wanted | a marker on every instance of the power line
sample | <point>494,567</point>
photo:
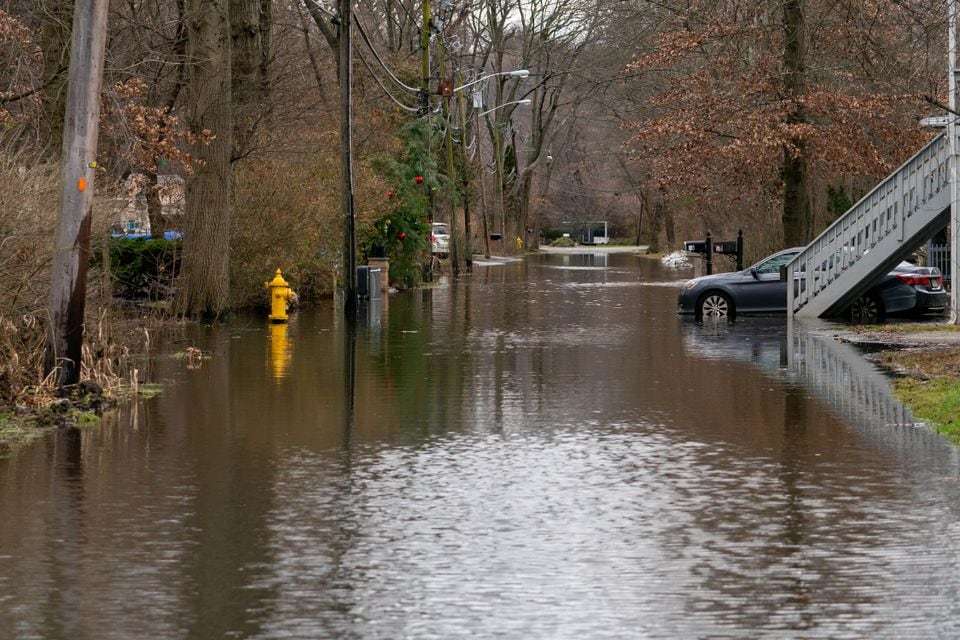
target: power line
<point>400,104</point>
<point>376,55</point>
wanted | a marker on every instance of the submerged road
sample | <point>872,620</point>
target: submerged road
<point>541,450</point>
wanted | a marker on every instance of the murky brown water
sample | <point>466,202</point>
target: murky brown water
<point>542,451</point>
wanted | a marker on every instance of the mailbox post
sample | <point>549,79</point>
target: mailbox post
<point>708,247</point>
<point>709,254</point>
<point>739,249</point>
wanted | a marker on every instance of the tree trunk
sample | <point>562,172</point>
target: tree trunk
<point>467,232</point>
<point>637,192</point>
<point>640,207</point>
<point>656,222</point>
<point>246,62</point>
<point>68,278</point>
<point>154,206</point>
<point>266,47</point>
<point>391,26</point>
<point>330,34</point>
<point>669,226</point>
<point>523,214</point>
<point>54,41</point>
<point>796,205</point>
<point>204,279</point>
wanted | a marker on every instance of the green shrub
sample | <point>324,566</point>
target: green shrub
<point>403,233</point>
<point>563,242</point>
<point>144,268</point>
<point>549,235</point>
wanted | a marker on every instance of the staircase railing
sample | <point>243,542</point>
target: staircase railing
<point>874,234</point>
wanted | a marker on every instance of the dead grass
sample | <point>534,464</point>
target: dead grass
<point>923,364</point>
<point>907,328</point>
<point>29,201</point>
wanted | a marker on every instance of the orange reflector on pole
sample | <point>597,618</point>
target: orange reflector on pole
<point>82,184</point>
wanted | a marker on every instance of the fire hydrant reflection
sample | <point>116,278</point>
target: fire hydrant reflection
<point>281,295</point>
<point>279,351</point>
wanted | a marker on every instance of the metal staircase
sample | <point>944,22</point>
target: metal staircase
<point>879,231</point>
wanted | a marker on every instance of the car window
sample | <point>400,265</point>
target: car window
<point>440,229</point>
<point>772,265</point>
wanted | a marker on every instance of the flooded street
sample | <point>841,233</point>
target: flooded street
<point>542,450</point>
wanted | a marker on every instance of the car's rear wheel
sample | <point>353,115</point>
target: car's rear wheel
<point>867,309</point>
<point>715,305</point>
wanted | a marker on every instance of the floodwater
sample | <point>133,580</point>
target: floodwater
<point>543,450</point>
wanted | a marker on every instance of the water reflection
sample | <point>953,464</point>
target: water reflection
<point>280,350</point>
<point>839,374</point>
<point>529,452</point>
<point>833,371</point>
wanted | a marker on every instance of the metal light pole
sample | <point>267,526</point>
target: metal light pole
<point>954,165</point>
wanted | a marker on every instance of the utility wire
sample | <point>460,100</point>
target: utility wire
<point>400,104</point>
<point>376,55</point>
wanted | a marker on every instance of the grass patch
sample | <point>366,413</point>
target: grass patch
<point>934,401</point>
<point>84,419</point>
<point>930,385</point>
<point>15,431</point>
<point>149,390</point>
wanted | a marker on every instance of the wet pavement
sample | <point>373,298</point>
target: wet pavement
<point>542,450</point>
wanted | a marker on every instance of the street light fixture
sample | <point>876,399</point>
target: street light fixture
<point>936,122</point>
<point>505,104</point>
<point>516,73</point>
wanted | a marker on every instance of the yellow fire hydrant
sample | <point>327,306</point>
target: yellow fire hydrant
<point>280,296</point>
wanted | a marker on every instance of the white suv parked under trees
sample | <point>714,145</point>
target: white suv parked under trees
<point>440,238</point>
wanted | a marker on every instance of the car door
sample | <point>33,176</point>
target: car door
<point>764,292</point>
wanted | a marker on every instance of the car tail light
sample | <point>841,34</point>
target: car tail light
<point>917,281</point>
<point>433,238</point>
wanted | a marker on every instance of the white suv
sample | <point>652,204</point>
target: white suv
<point>440,238</point>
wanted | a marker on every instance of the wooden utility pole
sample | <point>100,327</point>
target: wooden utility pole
<point>424,111</point>
<point>346,158</point>
<point>465,179</point>
<point>68,278</point>
<point>425,59</point>
<point>451,166</point>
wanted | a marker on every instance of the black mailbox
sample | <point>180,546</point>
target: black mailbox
<point>726,247</point>
<point>695,246</point>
